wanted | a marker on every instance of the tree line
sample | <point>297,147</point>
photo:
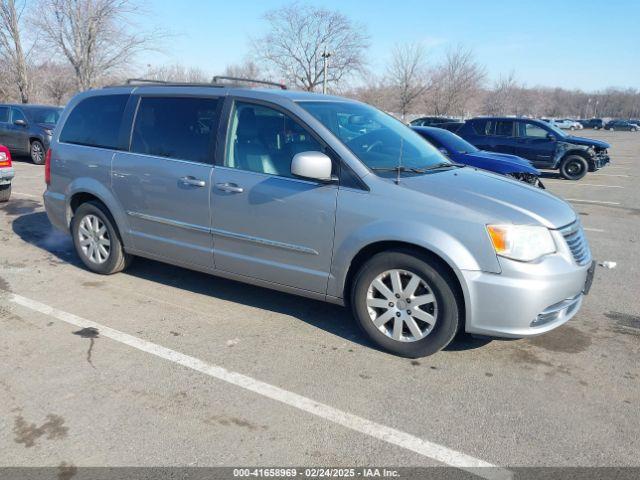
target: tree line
<point>51,49</point>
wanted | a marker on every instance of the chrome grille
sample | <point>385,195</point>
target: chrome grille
<point>577,242</point>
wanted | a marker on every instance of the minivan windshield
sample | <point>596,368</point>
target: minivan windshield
<point>382,143</point>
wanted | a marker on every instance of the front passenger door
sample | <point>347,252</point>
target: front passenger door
<point>267,224</point>
<point>534,144</point>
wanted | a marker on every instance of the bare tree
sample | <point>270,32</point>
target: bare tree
<point>11,48</point>
<point>246,69</point>
<point>456,81</point>
<point>95,36</point>
<point>57,81</point>
<point>408,75</point>
<point>502,98</point>
<point>299,34</point>
<point>177,73</point>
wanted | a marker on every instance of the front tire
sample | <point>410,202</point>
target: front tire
<point>97,240</point>
<point>406,303</point>
<point>37,153</point>
<point>574,167</point>
<point>5,193</point>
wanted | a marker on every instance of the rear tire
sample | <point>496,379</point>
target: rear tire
<point>37,153</point>
<point>97,240</point>
<point>421,279</point>
<point>5,193</point>
<point>574,167</point>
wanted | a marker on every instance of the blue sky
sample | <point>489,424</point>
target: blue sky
<point>587,44</point>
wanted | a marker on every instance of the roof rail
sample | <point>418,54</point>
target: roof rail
<point>217,78</point>
<point>144,81</point>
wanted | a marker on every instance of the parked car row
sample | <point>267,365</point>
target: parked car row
<point>461,151</point>
<point>564,123</point>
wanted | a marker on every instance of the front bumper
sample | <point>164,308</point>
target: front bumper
<point>526,299</point>
<point>6,175</point>
<point>600,160</point>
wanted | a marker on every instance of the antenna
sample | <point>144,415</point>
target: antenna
<point>399,168</point>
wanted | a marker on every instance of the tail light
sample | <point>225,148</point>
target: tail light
<point>47,167</point>
<point>5,159</point>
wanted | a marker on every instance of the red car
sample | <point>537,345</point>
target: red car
<point>6,174</point>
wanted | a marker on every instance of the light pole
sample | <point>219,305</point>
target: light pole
<point>325,58</point>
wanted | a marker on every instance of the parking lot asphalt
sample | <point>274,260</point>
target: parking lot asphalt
<point>181,369</point>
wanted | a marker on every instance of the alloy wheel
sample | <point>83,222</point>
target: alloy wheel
<point>37,153</point>
<point>402,305</point>
<point>93,238</point>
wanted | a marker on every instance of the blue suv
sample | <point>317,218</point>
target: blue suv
<point>546,146</point>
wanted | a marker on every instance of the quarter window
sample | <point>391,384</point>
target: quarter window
<point>4,114</point>
<point>180,127</point>
<point>265,140</point>
<point>96,122</point>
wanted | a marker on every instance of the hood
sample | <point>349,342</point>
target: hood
<point>497,162</point>
<point>587,142</point>
<point>497,198</point>
<point>48,126</point>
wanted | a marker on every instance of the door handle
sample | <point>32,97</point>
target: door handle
<point>194,182</point>
<point>229,187</point>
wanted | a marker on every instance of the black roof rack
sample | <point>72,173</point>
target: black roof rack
<point>217,78</point>
<point>144,81</point>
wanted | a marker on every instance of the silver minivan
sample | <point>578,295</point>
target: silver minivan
<point>318,196</point>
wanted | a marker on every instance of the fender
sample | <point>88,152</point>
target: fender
<point>422,235</point>
<point>565,148</point>
<point>97,189</point>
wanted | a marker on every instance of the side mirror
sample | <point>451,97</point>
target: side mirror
<point>312,165</point>
<point>20,123</point>
<point>551,137</point>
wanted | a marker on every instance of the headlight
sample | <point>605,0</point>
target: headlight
<point>521,242</point>
<point>48,132</point>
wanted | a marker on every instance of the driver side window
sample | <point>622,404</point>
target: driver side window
<point>265,140</point>
<point>531,130</point>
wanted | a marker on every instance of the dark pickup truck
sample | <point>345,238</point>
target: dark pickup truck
<point>546,146</point>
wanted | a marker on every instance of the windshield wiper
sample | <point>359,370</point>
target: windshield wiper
<point>440,165</point>
<point>397,169</point>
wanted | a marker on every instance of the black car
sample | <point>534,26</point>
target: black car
<point>621,125</point>
<point>431,121</point>
<point>546,146</point>
<point>27,129</point>
<point>595,123</point>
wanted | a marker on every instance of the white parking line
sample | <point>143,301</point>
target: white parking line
<point>608,175</point>
<point>593,230</point>
<point>561,182</point>
<point>20,194</point>
<point>601,202</point>
<point>387,434</point>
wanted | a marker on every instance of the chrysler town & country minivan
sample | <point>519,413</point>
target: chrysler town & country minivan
<point>318,196</point>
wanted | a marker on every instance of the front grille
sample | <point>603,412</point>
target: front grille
<point>577,242</point>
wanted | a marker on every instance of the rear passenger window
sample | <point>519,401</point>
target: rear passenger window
<point>482,127</point>
<point>95,122</point>
<point>4,114</point>
<point>504,128</point>
<point>179,128</point>
<point>265,140</point>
